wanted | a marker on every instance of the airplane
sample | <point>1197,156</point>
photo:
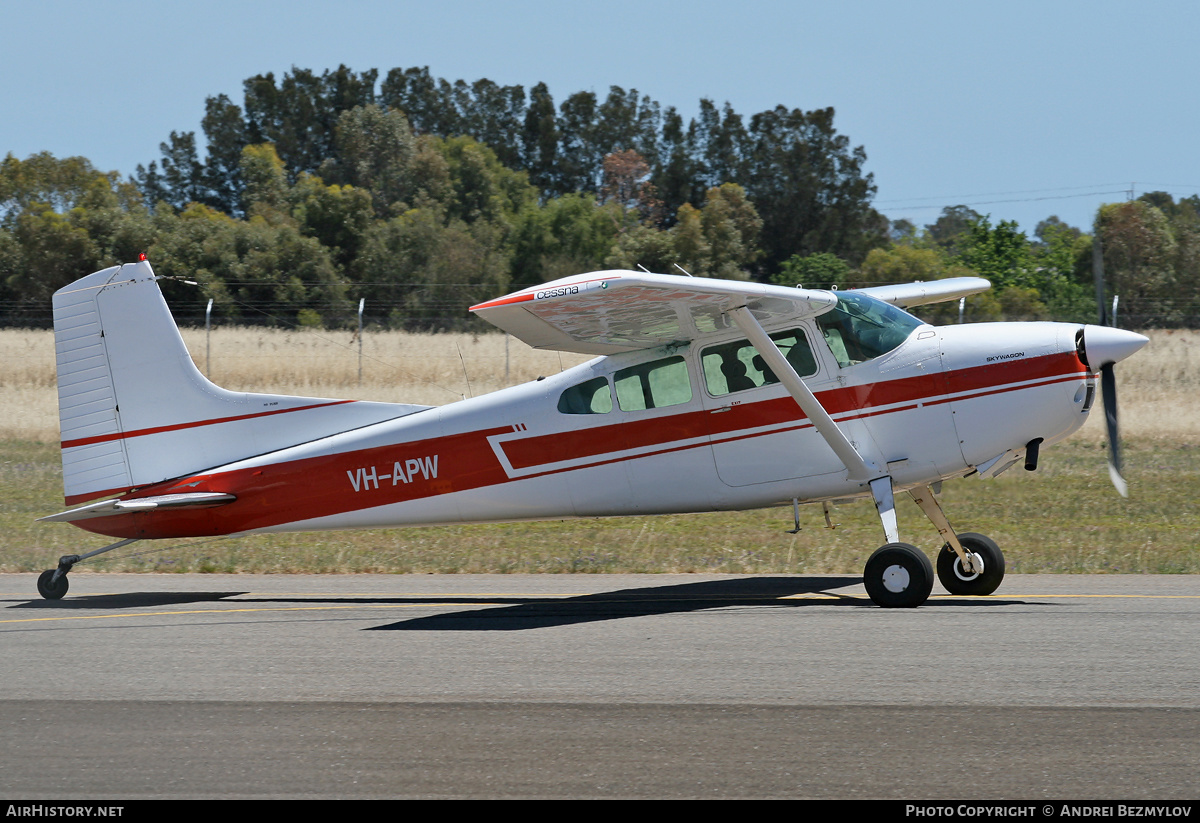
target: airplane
<point>705,395</point>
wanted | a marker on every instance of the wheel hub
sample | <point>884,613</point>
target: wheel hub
<point>896,579</point>
<point>962,574</point>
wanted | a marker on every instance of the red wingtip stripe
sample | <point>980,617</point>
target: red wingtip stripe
<point>504,301</point>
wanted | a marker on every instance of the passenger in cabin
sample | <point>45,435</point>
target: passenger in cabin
<point>734,371</point>
<point>761,365</point>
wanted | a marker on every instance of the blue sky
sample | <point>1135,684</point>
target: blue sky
<point>1019,109</point>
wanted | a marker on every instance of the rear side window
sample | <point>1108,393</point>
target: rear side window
<point>592,397</point>
<point>653,385</point>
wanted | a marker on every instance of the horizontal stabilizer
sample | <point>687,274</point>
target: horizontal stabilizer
<point>108,508</point>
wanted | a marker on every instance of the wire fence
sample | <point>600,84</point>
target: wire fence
<point>399,315</point>
<point>449,311</point>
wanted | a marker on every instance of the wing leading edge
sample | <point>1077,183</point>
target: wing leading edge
<point>614,311</point>
<point>906,295</point>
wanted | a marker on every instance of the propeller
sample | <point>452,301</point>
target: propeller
<point>1100,347</point>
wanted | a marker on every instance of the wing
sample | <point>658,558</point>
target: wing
<point>614,311</point>
<point>905,295</point>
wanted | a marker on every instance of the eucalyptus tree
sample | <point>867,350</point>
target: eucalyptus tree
<point>809,185</point>
<point>300,113</point>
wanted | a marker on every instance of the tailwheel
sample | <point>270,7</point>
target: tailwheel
<point>957,579</point>
<point>50,588</point>
<point>52,584</point>
<point>898,576</point>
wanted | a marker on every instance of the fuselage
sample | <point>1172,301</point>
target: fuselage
<point>698,427</point>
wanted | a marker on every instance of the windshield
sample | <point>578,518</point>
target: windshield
<point>860,328</point>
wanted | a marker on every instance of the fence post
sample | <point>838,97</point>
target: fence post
<point>208,339</point>
<point>361,302</point>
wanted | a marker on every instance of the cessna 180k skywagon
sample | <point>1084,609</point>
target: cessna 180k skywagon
<point>707,395</point>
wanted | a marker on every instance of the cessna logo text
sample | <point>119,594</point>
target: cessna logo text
<point>410,471</point>
<point>559,292</point>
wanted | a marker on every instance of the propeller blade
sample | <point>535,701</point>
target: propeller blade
<point>1100,347</point>
<point>1108,389</point>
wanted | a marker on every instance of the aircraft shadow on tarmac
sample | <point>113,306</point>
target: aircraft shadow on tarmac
<point>521,612</point>
<point>126,600</point>
<point>641,602</point>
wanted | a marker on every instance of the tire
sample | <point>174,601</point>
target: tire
<point>950,571</point>
<point>898,576</point>
<point>52,590</point>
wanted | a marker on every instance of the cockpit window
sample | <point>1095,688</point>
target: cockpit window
<point>736,366</point>
<point>592,397</point>
<point>653,385</point>
<point>860,328</point>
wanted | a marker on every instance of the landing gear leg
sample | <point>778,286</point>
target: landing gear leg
<point>968,563</point>
<point>885,505</point>
<point>52,584</point>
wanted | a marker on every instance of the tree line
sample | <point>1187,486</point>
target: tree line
<point>424,196</point>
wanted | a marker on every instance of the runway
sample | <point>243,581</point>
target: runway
<point>524,686</point>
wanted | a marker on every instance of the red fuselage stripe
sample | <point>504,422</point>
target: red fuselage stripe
<point>106,438</point>
<point>867,401</point>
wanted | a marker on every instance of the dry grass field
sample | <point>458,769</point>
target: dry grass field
<point>1158,386</point>
<point>1065,517</point>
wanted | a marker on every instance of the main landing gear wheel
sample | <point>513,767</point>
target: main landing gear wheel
<point>957,580</point>
<point>898,576</point>
<point>50,588</point>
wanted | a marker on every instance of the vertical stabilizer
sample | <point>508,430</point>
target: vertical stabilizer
<point>135,410</point>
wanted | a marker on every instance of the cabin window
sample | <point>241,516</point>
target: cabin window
<point>737,366</point>
<point>653,385</point>
<point>860,328</point>
<point>592,397</point>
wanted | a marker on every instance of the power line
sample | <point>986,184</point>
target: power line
<point>1007,193</point>
<point>907,206</point>
<point>1097,190</point>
